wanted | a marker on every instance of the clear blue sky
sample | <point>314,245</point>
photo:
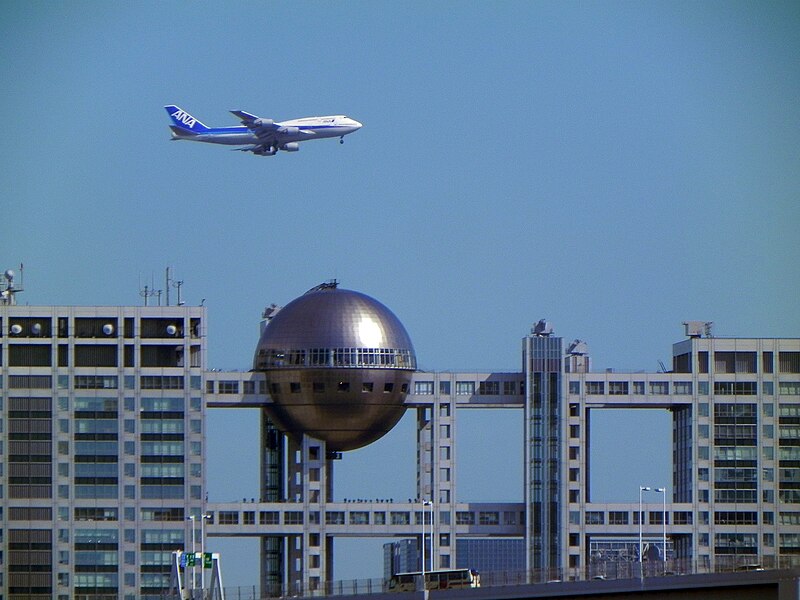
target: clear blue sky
<point>615,167</point>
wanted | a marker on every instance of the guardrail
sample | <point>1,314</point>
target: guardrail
<point>606,570</point>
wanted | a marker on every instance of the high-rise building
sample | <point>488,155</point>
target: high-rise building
<point>101,447</point>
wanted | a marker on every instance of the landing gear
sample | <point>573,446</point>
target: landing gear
<point>341,140</point>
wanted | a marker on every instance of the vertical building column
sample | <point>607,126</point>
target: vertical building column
<point>309,470</point>
<point>273,551</point>
<point>424,452</point>
<point>444,476</point>
<point>542,357</point>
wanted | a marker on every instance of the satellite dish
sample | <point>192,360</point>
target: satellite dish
<point>171,330</point>
<point>16,329</point>
<point>108,329</point>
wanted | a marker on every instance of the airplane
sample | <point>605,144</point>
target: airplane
<point>263,137</point>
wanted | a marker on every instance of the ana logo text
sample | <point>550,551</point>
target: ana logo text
<point>184,117</point>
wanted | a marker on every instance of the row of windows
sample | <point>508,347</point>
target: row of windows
<point>738,362</point>
<point>101,355</point>
<point>364,517</point>
<point>101,382</point>
<point>336,357</point>
<point>101,327</point>
<point>110,405</point>
<point>318,387</point>
<point>683,388</point>
<point>467,388</point>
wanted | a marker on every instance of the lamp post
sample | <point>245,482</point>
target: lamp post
<point>663,491</point>
<point>203,552</point>
<point>424,504</point>
<point>194,555</point>
<point>641,489</point>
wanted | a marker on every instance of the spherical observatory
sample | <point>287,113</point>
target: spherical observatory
<point>338,366</point>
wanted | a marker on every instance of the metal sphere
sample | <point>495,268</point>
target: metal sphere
<point>338,365</point>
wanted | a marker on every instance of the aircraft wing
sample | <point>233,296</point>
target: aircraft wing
<point>266,130</point>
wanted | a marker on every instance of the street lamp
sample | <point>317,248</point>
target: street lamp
<point>663,491</point>
<point>194,555</point>
<point>641,489</point>
<point>203,552</point>
<point>424,504</point>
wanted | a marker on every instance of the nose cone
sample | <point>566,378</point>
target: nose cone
<point>353,124</point>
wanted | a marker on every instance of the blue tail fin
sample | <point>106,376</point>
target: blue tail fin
<point>184,121</point>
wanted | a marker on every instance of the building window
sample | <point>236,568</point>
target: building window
<point>575,388</point>
<point>160,382</point>
<point>444,388</point>
<point>295,517</point>
<point>400,518</point>
<point>683,388</point>
<point>659,388</point>
<point>594,517</point>
<point>767,362</point>
<point>465,388</point>
<point>489,518</point>
<point>618,388</point>
<point>735,388</point>
<point>228,387</point>
<point>465,518</point>
<point>789,362</point>
<point>423,388</point>
<point>734,362</point>
<point>489,388</point>
<point>96,382</point>
<point>735,543</point>
<point>359,517</point>
<point>228,517</point>
<point>268,517</point>
<point>595,388</point>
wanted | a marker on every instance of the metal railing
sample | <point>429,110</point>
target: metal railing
<point>605,570</point>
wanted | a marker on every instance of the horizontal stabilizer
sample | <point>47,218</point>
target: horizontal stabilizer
<point>181,133</point>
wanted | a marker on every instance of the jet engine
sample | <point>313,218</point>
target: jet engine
<point>263,122</point>
<point>265,151</point>
<point>291,147</point>
<point>289,130</point>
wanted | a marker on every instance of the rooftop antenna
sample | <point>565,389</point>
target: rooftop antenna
<point>176,284</point>
<point>8,294</point>
<point>147,292</point>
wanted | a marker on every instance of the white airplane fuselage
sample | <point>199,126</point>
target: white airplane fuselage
<point>308,128</point>
<point>258,135</point>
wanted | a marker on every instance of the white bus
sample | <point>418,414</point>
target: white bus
<point>435,580</point>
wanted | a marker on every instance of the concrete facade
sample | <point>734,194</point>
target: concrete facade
<point>103,453</point>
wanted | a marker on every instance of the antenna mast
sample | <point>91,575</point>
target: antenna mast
<point>9,294</point>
